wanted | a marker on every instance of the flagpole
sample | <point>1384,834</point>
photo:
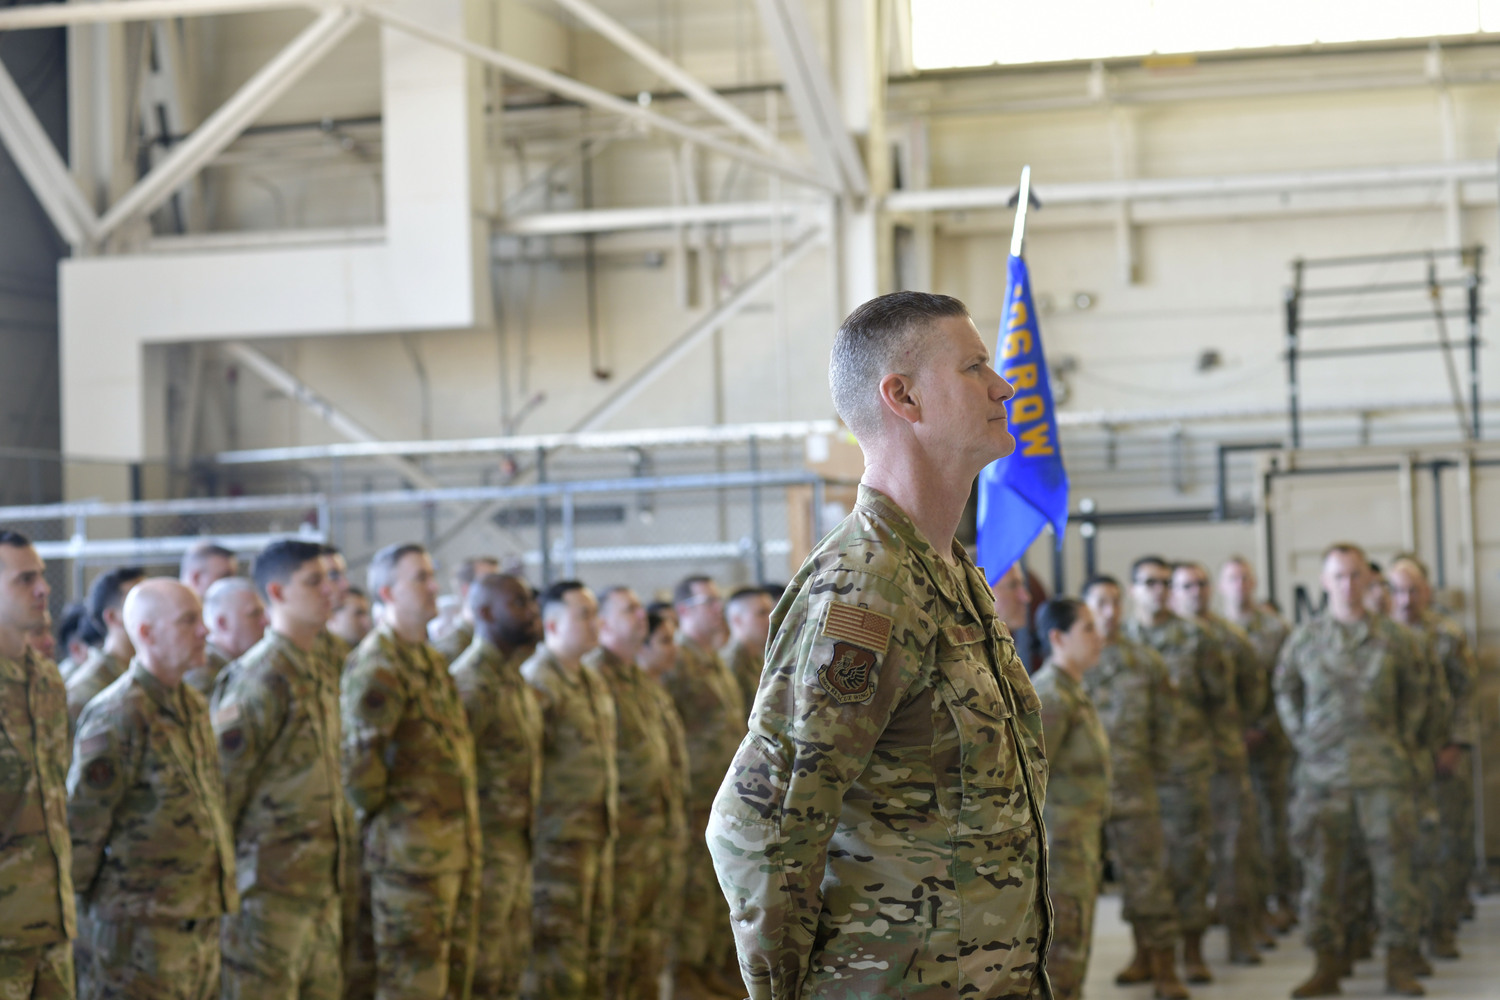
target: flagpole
<point>1023,199</point>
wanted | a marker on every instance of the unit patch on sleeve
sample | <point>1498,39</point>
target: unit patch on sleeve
<point>861,637</point>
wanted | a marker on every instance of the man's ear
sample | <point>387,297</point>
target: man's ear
<point>274,591</point>
<point>898,395</point>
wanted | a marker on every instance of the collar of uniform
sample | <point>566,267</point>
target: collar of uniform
<point>165,697</point>
<point>503,663</point>
<point>288,648</point>
<point>209,649</point>
<point>604,659</point>
<point>550,662</point>
<point>22,669</point>
<point>950,578</point>
<point>1353,633</point>
<point>1065,680</point>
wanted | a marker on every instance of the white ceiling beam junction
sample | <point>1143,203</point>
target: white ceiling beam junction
<point>62,15</point>
<point>43,167</point>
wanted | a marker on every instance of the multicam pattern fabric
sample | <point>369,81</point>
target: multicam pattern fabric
<point>275,712</point>
<point>146,809</point>
<point>891,846</point>
<point>452,645</point>
<point>745,663</point>
<point>1137,705</point>
<point>1236,839</point>
<point>36,855</point>
<point>506,722</point>
<point>41,972</point>
<point>1352,699</point>
<point>1203,683</point>
<point>137,958</point>
<point>1271,759</point>
<point>93,675</point>
<point>202,679</point>
<point>408,759</point>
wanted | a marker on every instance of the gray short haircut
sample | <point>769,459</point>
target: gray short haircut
<point>383,564</point>
<point>220,591</point>
<point>866,348</point>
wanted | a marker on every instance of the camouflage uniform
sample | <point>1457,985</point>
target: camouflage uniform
<point>880,832</point>
<point>453,645</point>
<point>1201,678</point>
<point>1238,870</point>
<point>1454,793</point>
<point>746,663</point>
<point>1133,695</point>
<point>574,866</point>
<point>1351,698</point>
<point>202,679</point>
<point>647,787</point>
<point>669,901</point>
<point>153,856</point>
<point>276,716</point>
<point>37,918</point>
<point>713,714</point>
<point>408,766</point>
<point>1271,761</point>
<point>95,674</point>
<point>1078,784</point>
<point>506,721</point>
<point>334,651</point>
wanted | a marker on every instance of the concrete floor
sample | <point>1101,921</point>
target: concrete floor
<point>1475,976</point>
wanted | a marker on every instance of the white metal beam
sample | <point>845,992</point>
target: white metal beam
<point>324,410</point>
<point>222,127</point>
<point>563,86</point>
<point>612,220</point>
<point>632,45</point>
<point>60,15</point>
<point>1096,192</point>
<point>716,318</point>
<point>42,166</point>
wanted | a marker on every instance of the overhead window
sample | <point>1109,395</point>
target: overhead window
<point>952,33</point>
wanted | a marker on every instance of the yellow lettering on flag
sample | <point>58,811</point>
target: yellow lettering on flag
<point>1025,409</point>
<point>1017,342</point>
<point>1018,313</point>
<point>1038,441</point>
<point>1021,376</point>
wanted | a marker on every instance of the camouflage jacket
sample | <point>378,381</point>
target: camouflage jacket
<point>643,753</point>
<point>713,714</point>
<point>95,674</point>
<point>145,805</point>
<point>202,679</point>
<point>334,651</point>
<point>580,782</point>
<point>1450,647</point>
<point>453,645</point>
<point>1078,779</point>
<point>1200,673</point>
<point>408,758</point>
<point>1137,706</point>
<point>677,824</point>
<point>745,663</point>
<point>276,716</point>
<point>506,722</point>
<point>36,855</point>
<point>1352,699</point>
<point>1266,632</point>
<point>1246,686</point>
<point>880,831</point>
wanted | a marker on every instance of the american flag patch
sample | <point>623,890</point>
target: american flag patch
<point>860,626</point>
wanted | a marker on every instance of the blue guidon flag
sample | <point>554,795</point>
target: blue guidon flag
<point>1027,490</point>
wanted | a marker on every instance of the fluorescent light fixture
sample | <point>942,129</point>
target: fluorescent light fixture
<point>950,33</point>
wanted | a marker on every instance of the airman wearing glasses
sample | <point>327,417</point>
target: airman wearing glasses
<point>1203,686</point>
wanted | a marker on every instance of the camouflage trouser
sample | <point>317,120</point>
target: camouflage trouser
<point>705,938</point>
<point>1188,823</point>
<point>1426,862</point>
<point>1455,802</point>
<point>41,973</point>
<point>572,899</point>
<point>1073,874</point>
<point>1137,848</point>
<point>415,923</point>
<point>1270,776</point>
<point>504,916</point>
<point>1327,822</point>
<point>1236,853</point>
<point>638,938</point>
<point>1357,909</point>
<point>153,960</point>
<point>277,948</point>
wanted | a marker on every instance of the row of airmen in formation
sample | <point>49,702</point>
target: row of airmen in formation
<point>267,795</point>
<point>1221,756</point>
<point>518,807</point>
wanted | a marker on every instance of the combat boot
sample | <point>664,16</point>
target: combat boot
<point>1286,914</point>
<point>1139,970</point>
<point>1420,967</point>
<point>1399,966</point>
<point>1193,965</point>
<point>1242,950</point>
<point>1164,975</point>
<point>1324,981</point>
<point>1443,944</point>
